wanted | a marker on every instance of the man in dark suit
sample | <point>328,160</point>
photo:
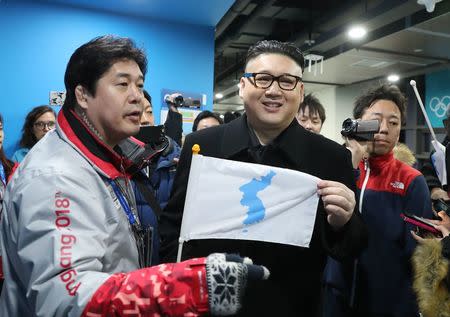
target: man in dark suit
<point>269,134</point>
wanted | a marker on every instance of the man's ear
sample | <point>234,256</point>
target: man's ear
<point>81,94</point>
<point>241,87</point>
<point>302,92</point>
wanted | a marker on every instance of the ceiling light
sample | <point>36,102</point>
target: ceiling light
<point>356,32</point>
<point>393,78</point>
<point>219,96</point>
<point>418,50</point>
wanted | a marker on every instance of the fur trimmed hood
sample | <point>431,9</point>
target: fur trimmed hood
<point>430,274</point>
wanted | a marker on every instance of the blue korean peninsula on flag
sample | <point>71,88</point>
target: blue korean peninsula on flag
<point>235,200</point>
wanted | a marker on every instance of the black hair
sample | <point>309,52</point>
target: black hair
<point>228,116</point>
<point>276,47</point>
<point>314,106</point>
<point>147,96</point>
<point>7,164</point>
<point>383,92</point>
<point>93,59</point>
<point>28,139</point>
<point>203,115</point>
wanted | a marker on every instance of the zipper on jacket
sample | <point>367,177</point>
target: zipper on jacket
<point>361,197</point>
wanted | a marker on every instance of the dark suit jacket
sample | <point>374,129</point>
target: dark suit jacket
<point>293,288</point>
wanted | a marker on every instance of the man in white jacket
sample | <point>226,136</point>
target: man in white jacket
<point>72,242</point>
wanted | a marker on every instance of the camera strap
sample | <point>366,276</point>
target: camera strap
<point>148,195</point>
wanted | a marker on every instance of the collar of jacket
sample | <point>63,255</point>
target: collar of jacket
<point>107,161</point>
<point>293,141</point>
<point>379,162</point>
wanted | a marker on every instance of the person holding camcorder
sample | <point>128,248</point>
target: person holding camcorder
<point>379,283</point>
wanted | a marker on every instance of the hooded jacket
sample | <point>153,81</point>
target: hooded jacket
<point>431,277</point>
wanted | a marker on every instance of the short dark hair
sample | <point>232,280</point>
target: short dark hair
<point>7,164</point>
<point>383,92</point>
<point>203,115</point>
<point>147,96</point>
<point>276,47</point>
<point>28,139</point>
<point>314,106</point>
<point>93,59</point>
<point>228,116</point>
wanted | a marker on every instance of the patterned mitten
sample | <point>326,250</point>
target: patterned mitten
<point>227,275</point>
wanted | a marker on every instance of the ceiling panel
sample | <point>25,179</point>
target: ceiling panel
<point>430,38</point>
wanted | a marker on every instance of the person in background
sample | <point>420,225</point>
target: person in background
<point>437,190</point>
<point>228,116</point>
<point>37,123</point>
<point>206,119</point>
<point>380,282</point>
<point>431,270</point>
<point>173,127</point>
<point>7,168</point>
<point>237,114</point>
<point>311,114</point>
<point>153,185</point>
<point>404,154</point>
<point>268,133</point>
<point>72,242</point>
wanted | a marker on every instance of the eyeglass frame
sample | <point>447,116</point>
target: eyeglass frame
<point>45,124</point>
<point>274,78</point>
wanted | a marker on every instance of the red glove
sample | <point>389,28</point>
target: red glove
<point>191,288</point>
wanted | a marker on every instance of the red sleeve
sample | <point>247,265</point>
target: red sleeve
<point>15,166</point>
<point>176,289</point>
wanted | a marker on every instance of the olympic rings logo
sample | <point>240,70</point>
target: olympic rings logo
<point>440,106</point>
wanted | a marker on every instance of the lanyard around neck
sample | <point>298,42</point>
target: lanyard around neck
<point>123,202</point>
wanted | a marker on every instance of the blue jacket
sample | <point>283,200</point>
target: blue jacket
<point>160,183</point>
<point>382,282</point>
<point>19,155</point>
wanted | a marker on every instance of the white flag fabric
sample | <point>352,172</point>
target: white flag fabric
<point>438,160</point>
<point>235,200</point>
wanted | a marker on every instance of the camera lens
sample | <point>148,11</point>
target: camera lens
<point>179,100</point>
<point>348,125</point>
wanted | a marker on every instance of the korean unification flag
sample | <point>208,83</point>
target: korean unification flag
<point>235,200</point>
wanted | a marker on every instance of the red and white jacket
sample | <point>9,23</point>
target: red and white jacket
<point>68,247</point>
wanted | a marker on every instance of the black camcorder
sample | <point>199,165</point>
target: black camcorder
<point>180,101</point>
<point>145,148</point>
<point>363,130</point>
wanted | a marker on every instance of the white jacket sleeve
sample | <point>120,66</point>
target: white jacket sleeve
<point>60,235</point>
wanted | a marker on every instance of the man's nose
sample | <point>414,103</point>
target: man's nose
<point>384,126</point>
<point>136,94</point>
<point>274,89</point>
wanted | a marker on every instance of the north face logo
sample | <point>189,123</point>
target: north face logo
<point>398,185</point>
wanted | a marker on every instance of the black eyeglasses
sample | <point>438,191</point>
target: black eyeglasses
<point>264,80</point>
<point>41,125</point>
